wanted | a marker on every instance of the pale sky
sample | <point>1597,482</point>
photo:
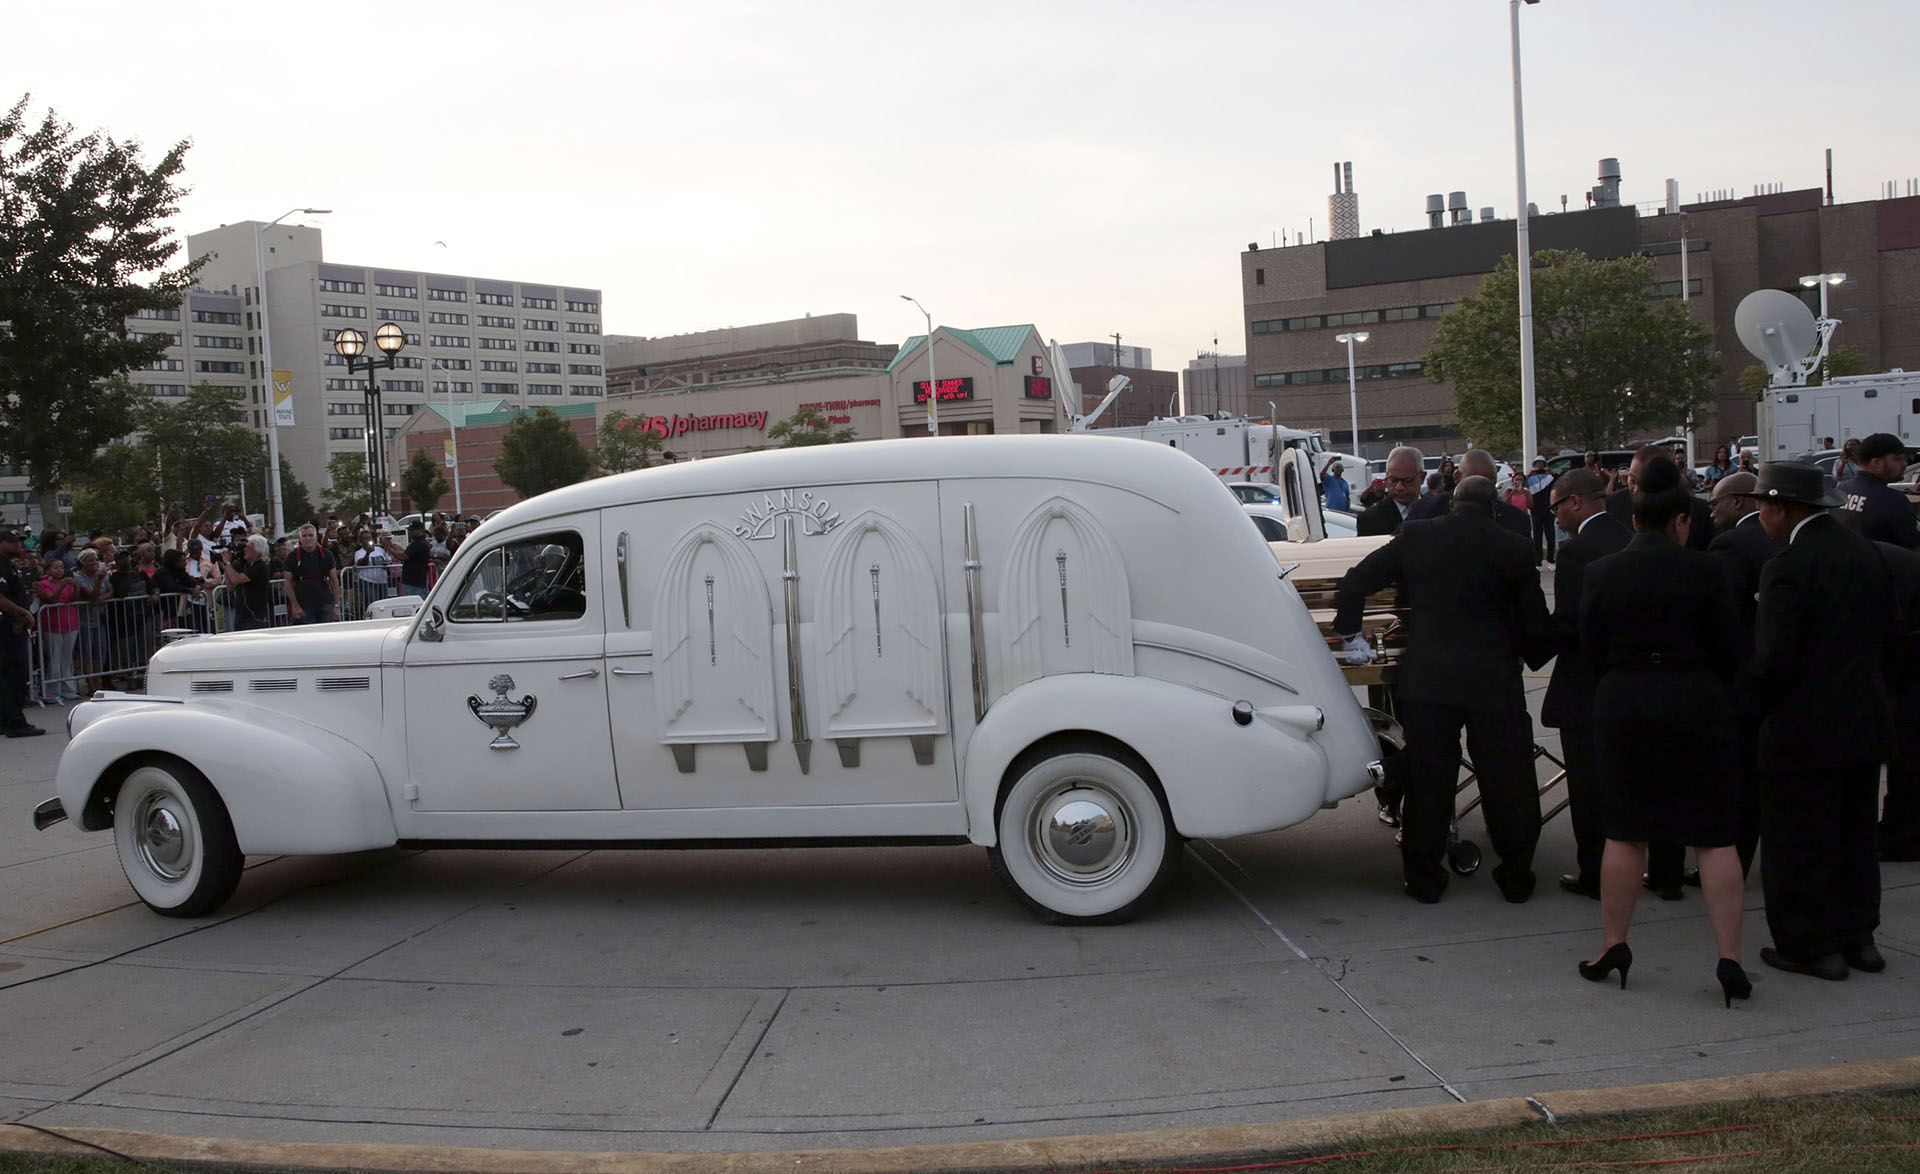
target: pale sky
<point>1087,167</point>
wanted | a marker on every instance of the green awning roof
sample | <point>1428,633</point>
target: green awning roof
<point>1002,344</point>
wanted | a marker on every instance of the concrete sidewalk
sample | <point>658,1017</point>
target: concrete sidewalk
<point>809,999</point>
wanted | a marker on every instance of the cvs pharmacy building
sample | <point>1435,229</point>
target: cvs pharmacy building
<point>995,381</point>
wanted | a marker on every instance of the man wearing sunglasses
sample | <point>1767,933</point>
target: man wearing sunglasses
<point>1405,472</point>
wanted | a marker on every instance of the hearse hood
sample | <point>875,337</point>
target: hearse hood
<point>341,645</point>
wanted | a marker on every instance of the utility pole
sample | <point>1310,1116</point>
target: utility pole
<point>1116,350</point>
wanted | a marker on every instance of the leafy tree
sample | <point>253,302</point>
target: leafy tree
<point>807,427</point>
<point>346,492</point>
<point>121,489</point>
<point>84,246</point>
<point>1608,360</point>
<point>1842,360</point>
<point>423,482</point>
<point>625,443</point>
<point>202,449</point>
<point>540,452</point>
<point>295,506</point>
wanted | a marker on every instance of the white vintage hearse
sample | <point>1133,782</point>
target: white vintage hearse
<point>1023,642</point>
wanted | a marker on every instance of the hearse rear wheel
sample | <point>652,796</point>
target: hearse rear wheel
<point>174,838</point>
<point>1084,837</point>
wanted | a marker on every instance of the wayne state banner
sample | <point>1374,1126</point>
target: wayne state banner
<point>283,399</point>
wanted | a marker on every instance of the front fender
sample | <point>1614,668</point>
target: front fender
<point>290,787</point>
<point>1220,778</point>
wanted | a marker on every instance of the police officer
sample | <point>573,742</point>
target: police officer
<point>1824,634</point>
<point>1475,610</point>
<point>1869,504</point>
<point>16,620</point>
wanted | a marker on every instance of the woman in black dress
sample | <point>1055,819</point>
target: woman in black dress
<point>1658,622</point>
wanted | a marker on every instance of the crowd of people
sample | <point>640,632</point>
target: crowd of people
<point>1772,629</point>
<point>86,610</point>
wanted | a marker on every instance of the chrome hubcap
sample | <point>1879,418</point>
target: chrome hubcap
<point>166,844</point>
<point>1083,834</point>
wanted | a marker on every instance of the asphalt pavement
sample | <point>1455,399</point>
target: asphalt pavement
<point>755,1000</point>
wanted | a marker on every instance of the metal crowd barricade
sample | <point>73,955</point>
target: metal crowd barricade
<point>80,647</point>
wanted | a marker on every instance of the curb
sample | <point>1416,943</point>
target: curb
<point>1156,1147</point>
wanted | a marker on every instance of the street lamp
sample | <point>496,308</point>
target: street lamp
<point>275,512</point>
<point>351,345</point>
<point>933,381</point>
<point>1353,386</point>
<point>1529,423</point>
<point>453,429</point>
<point>1822,280</point>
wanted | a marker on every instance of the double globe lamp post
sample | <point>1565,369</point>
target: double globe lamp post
<point>351,345</point>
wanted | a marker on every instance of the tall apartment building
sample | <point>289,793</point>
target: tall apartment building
<point>468,338</point>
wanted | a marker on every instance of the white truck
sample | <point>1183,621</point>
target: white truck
<point>1844,408</point>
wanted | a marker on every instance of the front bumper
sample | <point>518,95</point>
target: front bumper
<point>47,813</point>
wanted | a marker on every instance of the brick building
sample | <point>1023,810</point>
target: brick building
<point>1397,286</point>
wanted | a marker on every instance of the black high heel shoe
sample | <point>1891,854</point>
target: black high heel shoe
<point>1618,957</point>
<point>1734,982</point>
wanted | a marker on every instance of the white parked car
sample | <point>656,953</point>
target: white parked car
<point>1008,640</point>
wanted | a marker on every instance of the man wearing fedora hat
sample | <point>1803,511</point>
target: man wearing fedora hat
<point>1823,631</point>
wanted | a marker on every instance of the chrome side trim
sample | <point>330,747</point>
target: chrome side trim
<point>796,689</point>
<point>48,812</point>
<point>620,560</point>
<point>976,628</point>
<point>1224,663</point>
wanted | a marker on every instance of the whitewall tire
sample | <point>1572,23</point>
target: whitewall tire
<point>1083,835</point>
<point>174,839</point>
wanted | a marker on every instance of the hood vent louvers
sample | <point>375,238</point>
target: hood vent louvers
<point>274,685</point>
<point>343,684</point>
<point>211,687</point>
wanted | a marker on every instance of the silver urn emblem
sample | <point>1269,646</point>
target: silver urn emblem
<point>502,714</point>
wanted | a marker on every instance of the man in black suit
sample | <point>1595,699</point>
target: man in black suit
<point>1476,462</point>
<point>1824,635</point>
<point>1475,611</point>
<point>1620,503</point>
<point>1900,817</point>
<point>1580,507</point>
<point>1746,547</point>
<point>1405,473</point>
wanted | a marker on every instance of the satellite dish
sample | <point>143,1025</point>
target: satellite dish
<point>1776,328</point>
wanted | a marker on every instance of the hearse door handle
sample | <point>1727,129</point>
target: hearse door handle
<point>632,672</point>
<point>582,675</point>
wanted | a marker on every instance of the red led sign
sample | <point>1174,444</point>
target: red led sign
<point>950,389</point>
<point>1039,387</point>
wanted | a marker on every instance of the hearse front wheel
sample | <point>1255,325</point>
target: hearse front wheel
<point>175,840</point>
<point>1084,838</point>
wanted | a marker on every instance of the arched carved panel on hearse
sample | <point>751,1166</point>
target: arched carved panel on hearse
<point>1065,606</point>
<point>713,634</point>
<point>877,631</point>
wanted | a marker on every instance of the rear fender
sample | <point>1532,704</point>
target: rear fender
<point>1220,778</point>
<point>290,787</point>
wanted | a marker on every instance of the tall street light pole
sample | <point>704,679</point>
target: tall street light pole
<point>275,510</point>
<point>1529,423</point>
<point>1353,385</point>
<point>352,346</point>
<point>933,381</point>
<point>453,429</point>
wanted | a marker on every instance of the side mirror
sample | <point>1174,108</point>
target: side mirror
<point>430,628</point>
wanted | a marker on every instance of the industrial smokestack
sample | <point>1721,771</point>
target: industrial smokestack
<point>1343,206</point>
<point>1349,166</point>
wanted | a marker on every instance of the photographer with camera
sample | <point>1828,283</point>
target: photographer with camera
<point>252,584</point>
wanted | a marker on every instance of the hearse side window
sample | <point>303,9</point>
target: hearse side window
<point>541,577</point>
